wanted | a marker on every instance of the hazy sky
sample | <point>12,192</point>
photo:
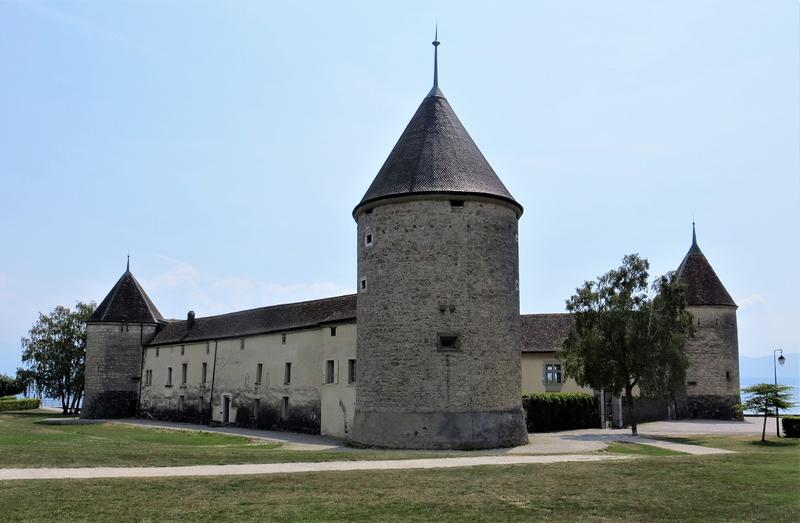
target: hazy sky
<point>225,144</point>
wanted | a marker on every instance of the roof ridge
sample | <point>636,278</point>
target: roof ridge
<point>266,307</point>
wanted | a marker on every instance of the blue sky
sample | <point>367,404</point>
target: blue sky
<point>225,144</point>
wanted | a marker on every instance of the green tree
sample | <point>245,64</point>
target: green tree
<point>55,353</point>
<point>625,336</point>
<point>9,386</point>
<point>766,397</point>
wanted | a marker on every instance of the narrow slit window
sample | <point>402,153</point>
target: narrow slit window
<point>287,373</point>
<point>330,368</point>
<point>285,408</point>
<point>259,372</point>
<point>351,371</point>
<point>363,286</point>
<point>184,372</point>
<point>204,375</point>
<point>169,376</point>
<point>368,239</point>
<point>283,339</point>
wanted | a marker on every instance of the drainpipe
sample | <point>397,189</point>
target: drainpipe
<point>211,396</point>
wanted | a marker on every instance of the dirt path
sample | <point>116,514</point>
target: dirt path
<point>291,468</point>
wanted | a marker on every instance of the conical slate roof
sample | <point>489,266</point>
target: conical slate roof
<point>127,302</point>
<point>704,286</point>
<point>435,154</point>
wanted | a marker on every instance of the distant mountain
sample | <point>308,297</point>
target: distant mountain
<point>760,370</point>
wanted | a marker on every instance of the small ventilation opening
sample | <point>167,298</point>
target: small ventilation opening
<point>456,203</point>
<point>449,342</point>
<point>368,239</point>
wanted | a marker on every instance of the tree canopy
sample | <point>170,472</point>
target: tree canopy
<point>10,386</point>
<point>627,334</point>
<point>54,354</point>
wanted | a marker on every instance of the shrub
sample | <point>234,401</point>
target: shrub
<point>791,426</point>
<point>551,411</point>
<point>15,404</point>
<point>7,398</point>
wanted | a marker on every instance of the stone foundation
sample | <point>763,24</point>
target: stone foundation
<point>110,404</point>
<point>711,406</point>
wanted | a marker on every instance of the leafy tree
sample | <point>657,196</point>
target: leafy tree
<point>765,397</point>
<point>9,386</point>
<point>55,354</point>
<point>625,336</point>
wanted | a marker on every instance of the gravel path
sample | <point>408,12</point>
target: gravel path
<point>291,468</point>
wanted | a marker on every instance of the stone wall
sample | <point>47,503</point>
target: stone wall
<point>712,379</point>
<point>113,366</point>
<point>430,269</point>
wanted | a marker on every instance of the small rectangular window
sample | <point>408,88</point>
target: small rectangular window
<point>285,408</point>
<point>148,377</point>
<point>259,372</point>
<point>330,368</point>
<point>169,376</point>
<point>287,373</point>
<point>184,369</point>
<point>183,349</point>
<point>333,331</point>
<point>552,373</point>
<point>283,339</point>
<point>241,344</point>
<point>351,371</point>
<point>456,203</point>
<point>368,239</point>
<point>363,284</point>
<point>449,342</point>
<point>208,347</point>
<point>204,377</point>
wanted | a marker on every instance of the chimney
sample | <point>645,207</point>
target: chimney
<point>190,320</point>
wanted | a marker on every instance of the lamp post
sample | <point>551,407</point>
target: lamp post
<point>780,360</point>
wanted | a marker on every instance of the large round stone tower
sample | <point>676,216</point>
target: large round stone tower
<point>712,379</point>
<point>438,340</point>
<point>123,322</point>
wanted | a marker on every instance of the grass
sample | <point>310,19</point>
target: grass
<point>25,442</point>
<point>758,483</point>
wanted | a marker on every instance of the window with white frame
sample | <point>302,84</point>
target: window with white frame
<point>552,373</point>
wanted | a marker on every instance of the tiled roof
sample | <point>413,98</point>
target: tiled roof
<point>127,302</point>
<point>545,332</point>
<point>704,286</point>
<point>275,318</point>
<point>435,154</point>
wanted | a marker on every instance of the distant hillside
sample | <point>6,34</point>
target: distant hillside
<point>760,370</point>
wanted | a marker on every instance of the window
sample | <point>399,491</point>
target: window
<point>351,371</point>
<point>169,376</point>
<point>456,203</point>
<point>330,370</point>
<point>241,344</point>
<point>208,347</point>
<point>180,402</point>
<point>363,286</point>
<point>283,339</point>
<point>552,373</point>
<point>156,352</point>
<point>287,373</point>
<point>449,342</point>
<point>148,377</point>
<point>368,239</point>
<point>184,369</point>
<point>259,372</point>
<point>285,408</point>
<point>691,383</point>
<point>333,331</point>
<point>256,407</point>
<point>728,375</point>
<point>183,349</point>
<point>204,375</point>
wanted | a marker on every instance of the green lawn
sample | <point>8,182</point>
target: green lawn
<point>25,442</point>
<point>759,483</point>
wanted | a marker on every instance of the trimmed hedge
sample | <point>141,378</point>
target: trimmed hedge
<point>23,404</point>
<point>791,426</point>
<point>552,411</point>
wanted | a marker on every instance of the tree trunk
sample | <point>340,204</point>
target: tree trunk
<point>631,409</point>
<point>764,430</point>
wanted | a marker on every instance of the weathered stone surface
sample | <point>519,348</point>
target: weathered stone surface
<point>436,269</point>
<point>113,367</point>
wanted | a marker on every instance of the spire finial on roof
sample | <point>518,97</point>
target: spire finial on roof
<point>694,235</point>
<point>128,265</point>
<point>435,60</point>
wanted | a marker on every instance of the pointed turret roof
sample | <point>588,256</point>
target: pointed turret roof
<point>436,155</point>
<point>127,302</point>
<point>704,286</point>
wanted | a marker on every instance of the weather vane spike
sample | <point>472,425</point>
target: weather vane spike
<point>128,266</point>
<point>436,57</point>
<point>694,234</point>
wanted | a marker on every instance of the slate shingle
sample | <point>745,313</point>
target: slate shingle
<point>545,332</point>
<point>127,302</point>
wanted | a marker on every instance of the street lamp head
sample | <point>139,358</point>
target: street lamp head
<point>781,359</point>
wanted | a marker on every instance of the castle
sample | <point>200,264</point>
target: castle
<point>431,352</point>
